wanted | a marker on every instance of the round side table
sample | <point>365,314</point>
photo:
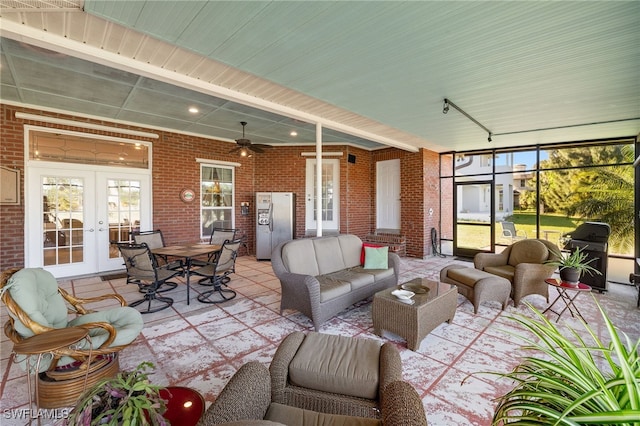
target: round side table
<point>46,343</point>
<point>564,288</point>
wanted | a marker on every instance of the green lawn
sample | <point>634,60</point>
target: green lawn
<point>472,236</point>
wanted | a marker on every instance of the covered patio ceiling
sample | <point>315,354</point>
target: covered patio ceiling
<point>373,74</point>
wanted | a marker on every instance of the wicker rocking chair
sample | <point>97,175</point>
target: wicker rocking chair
<point>36,305</point>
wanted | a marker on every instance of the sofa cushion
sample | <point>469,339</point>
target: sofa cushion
<point>299,257</point>
<point>297,416</point>
<point>331,287</point>
<point>351,246</point>
<point>378,274</point>
<point>337,364</point>
<point>376,258</point>
<point>328,255</point>
<point>355,277</point>
<point>504,271</point>
<point>528,251</point>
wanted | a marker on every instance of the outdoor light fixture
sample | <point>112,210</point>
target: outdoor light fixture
<point>445,109</point>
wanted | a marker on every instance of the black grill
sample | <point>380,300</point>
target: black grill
<point>593,239</point>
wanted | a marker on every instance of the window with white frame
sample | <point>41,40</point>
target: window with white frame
<point>216,198</point>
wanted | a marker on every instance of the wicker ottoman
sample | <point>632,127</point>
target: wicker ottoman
<point>476,285</point>
<point>430,308</point>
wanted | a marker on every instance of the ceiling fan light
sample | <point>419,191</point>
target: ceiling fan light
<point>244,152</point>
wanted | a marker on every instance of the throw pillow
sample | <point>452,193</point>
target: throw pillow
<point>376,258</point>
<point>362,253</point>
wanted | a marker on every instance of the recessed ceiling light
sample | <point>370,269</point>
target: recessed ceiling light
<point>193,110</point>
<point>293,133</point>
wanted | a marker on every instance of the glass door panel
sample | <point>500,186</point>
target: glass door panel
<point>63,217</point>
<point>59,216</point>
<point>330,197</point>
<point>473,223</point>
<point>123,206</point>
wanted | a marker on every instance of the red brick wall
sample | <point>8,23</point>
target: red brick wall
<point>357,216</point>
<point>432,197</point>
<point>281,169</point>
<point>12,217</point>
<point>419,175</point>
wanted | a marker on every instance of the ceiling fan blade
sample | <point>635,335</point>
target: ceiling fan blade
<point>261,145</point>
<point>236,149</point>
<point>255,149</point>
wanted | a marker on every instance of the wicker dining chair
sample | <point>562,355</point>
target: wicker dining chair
<point>36,305</point>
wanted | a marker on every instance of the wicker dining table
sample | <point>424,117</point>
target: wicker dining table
<point>188,253</point>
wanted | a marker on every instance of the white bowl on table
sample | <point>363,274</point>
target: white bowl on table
<point>403,294</point>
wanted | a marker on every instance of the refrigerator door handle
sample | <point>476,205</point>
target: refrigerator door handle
<point>270,217</point>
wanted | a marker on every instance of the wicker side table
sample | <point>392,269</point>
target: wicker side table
<point>414,321</point>
<point>50,342</point>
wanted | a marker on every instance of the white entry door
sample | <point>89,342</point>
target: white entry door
<point>72,215</point>
<point>388,195</point>
<point>330,202</point>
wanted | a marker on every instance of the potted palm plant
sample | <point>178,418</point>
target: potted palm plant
<point>571,381</point>
<point>128,399</point>
<point>571,266</point>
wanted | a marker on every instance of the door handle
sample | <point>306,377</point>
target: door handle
<point>91,230</point>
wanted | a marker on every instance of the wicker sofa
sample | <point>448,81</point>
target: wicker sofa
<point>246,400</point>
<point>322,276</point>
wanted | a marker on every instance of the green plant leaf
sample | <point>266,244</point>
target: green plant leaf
<point>563,382</point>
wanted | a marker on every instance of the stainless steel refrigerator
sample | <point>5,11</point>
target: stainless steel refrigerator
<point>275,221</point>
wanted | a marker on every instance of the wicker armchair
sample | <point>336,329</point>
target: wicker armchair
<point>37,305</point>
<point>325,399</point>
<point>246,400</point>
<point>523,264</point>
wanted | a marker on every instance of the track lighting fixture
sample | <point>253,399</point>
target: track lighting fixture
<point>445,109</point>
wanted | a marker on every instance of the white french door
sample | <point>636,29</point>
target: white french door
<point>330,202</point>
<point>73,215</point>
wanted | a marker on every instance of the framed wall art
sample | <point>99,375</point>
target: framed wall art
<point>9,186</point>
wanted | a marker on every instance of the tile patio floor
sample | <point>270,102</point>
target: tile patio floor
<point>201,346</point>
